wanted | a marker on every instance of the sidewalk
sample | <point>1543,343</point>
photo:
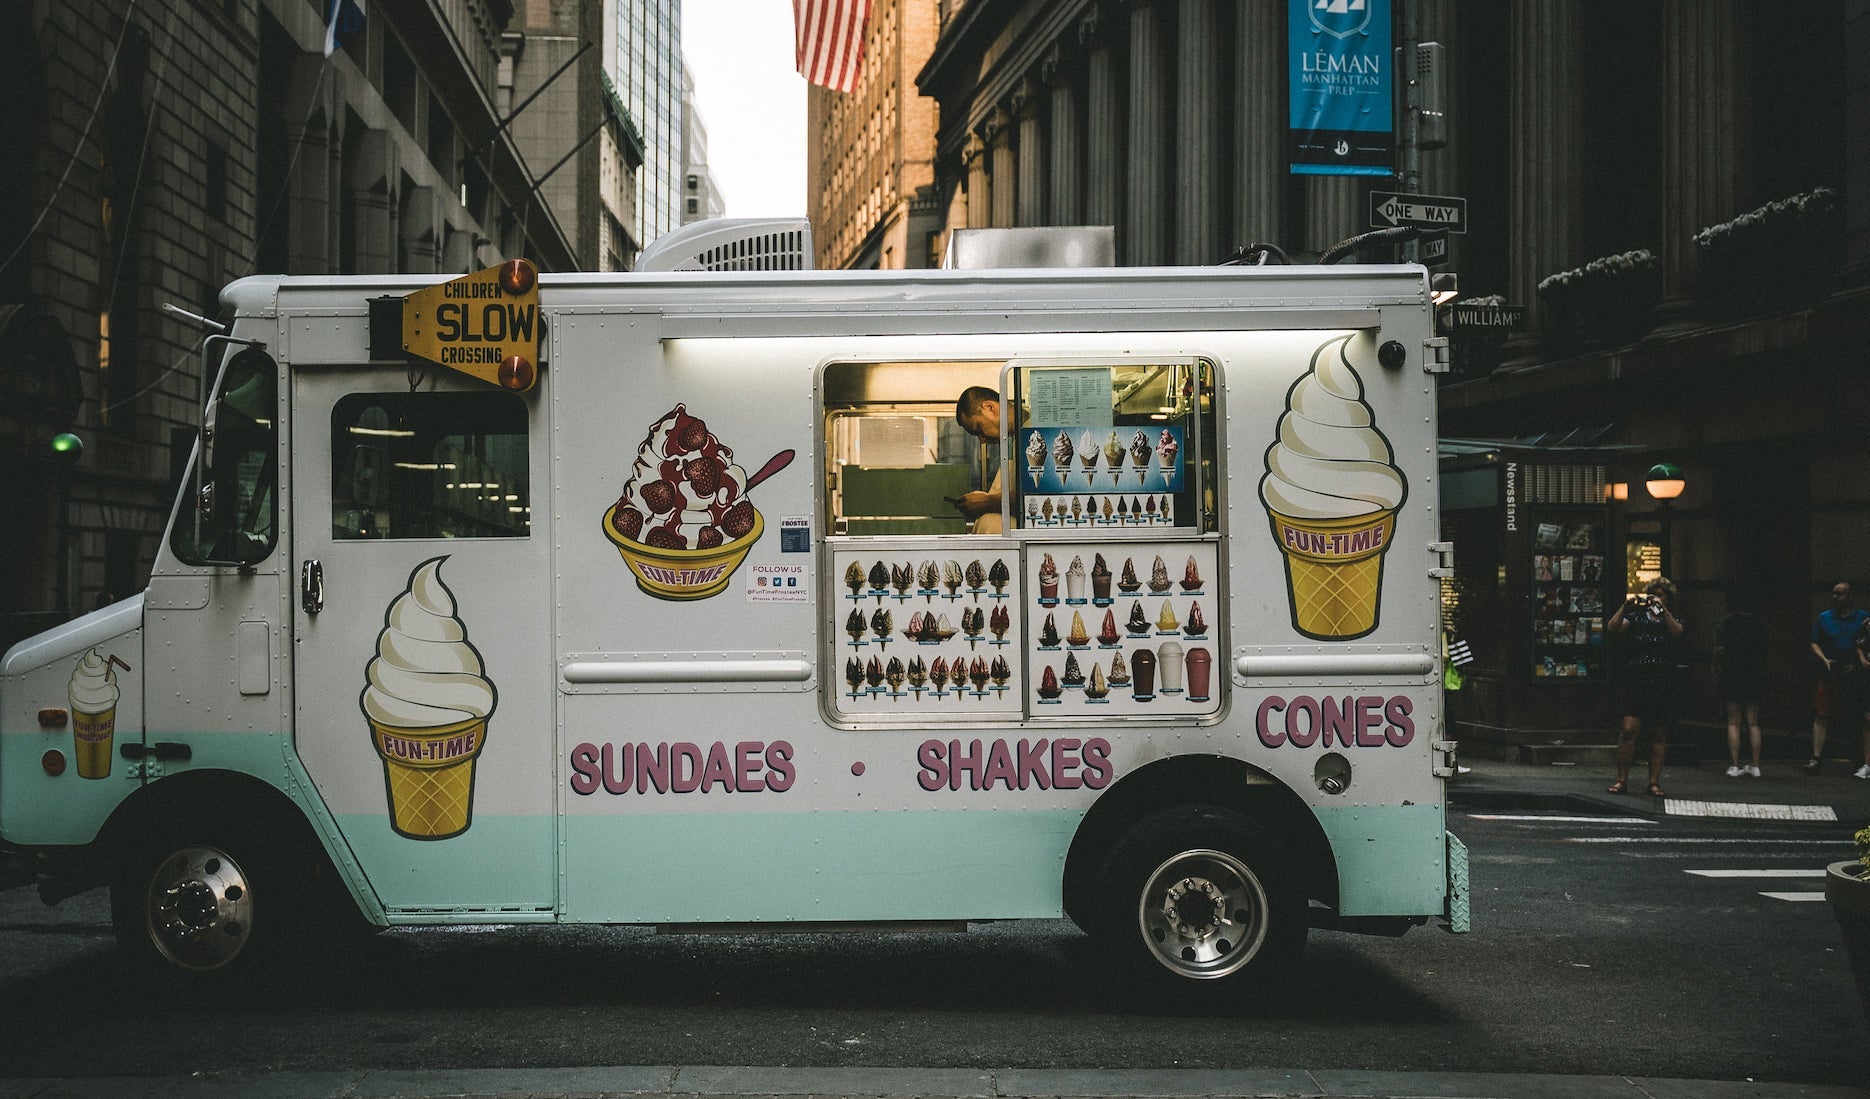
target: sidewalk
<point>1693,788</point>
<point>711,1082</point>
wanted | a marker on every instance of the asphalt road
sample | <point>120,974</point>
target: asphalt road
<point>1595,952</point>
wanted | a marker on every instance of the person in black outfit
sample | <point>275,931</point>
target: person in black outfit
<point>1654,682</point>
<point>1740,647</point>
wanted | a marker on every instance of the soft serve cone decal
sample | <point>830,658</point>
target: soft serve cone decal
<point>427,702</point>
<point>1331,491</point>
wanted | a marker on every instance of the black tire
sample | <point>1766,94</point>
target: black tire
<point>217,904</point>
<point>1203,900</point>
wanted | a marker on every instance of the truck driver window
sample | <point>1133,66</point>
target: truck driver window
<point>232,522</point>
<point>429,465</point>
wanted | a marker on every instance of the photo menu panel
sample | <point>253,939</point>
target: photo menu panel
<point>1122,627</point>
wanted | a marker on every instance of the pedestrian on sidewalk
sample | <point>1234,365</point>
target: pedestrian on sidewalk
<point>1863,681</point>
<point>1740,648</point>
<point>1654,685</point>
<point>1840,683</point>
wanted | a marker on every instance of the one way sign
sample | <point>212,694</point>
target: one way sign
<point>1389,209</point>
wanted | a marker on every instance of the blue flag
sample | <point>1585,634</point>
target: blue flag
<point>343,18</point>
<point>1341,87</point>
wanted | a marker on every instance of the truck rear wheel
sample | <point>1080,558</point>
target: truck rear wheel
<point>1200,897</point>
<point>201,904</point>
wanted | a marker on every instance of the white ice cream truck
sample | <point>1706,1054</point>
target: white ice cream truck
<point>640,599</point>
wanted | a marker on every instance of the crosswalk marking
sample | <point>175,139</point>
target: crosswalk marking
<point>1560,820</point>
<point>1756,873</point>
<point>1683,807</point>
<point>1795,896</point>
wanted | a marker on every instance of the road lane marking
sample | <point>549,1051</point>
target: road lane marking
<point>1756,873</point>
<point>1560,820</point>
<point>1689,839</point>
<point>1683,807</point>
<point>1795,896</point>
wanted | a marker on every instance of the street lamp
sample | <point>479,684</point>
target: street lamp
<point>1664,483</point>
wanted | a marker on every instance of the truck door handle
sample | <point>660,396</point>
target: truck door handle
<point>312,586</point>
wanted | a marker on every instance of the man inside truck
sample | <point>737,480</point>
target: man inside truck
<point>978,413</point>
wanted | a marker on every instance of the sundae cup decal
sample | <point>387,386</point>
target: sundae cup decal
<point>427,702</point>
<point>1332,491</point>
<point>684,522</point>
<point>93,694</point>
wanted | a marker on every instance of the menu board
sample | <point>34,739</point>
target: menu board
<point>919,632</point>
<point>1568,582</point>
<point>1123,627</point>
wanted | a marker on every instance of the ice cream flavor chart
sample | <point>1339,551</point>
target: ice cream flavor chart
<point>1103,509</point>
<point>1060,460</point>
<point>1126,633</point>
<point>930,632</point>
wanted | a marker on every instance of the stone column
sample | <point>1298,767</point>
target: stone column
<point>1332,211</point>
<point>1002,169</point>
<point>421,243</point>
<point>1143,238</point>
<point>1065,170</point>
<point>1546,172</point>
<point>1104,124</point>
<point>1260,178</point>
<point>370,187</point>
<point>310,214</point>
<point>1201,163</point>
<point>979,188</point>
<point>1029,207</point>
<point>1701,69</point>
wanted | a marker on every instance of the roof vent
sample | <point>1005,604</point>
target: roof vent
<point>732,244</point>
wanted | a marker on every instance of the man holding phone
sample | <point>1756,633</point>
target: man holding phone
<point>978,413</point>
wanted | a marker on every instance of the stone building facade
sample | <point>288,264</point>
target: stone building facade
<point>870,164</point>
<point>1678,193</point>
<point>157,152</point>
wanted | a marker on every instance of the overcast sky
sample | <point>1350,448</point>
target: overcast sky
<point>752,102</point>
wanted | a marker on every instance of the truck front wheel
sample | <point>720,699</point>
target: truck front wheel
<point>1202,895</point>
<point>194,904</point>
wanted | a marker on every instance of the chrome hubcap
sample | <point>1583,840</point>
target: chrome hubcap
<point>200,909</point>
<point>1203,914</point>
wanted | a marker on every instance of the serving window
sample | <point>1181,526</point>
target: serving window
<point>1102,596</point>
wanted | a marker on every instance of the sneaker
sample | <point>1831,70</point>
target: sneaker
<point>1862,772</point>
<point>1810,766</point>
<point>1736,771</point>
<point>1752,770</point>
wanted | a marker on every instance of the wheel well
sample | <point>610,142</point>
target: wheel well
<point>1220,781</point>
<point>220,798</point>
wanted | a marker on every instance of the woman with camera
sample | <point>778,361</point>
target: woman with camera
<point>1654,687</point>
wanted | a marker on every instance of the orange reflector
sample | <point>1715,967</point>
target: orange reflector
<point>518,276</point>
<point>516,373</point>
<point>53,762</point>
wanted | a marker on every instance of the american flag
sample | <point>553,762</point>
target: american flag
<point>830,37</point>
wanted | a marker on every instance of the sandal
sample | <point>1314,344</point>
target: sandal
<point>1617,787</point>
<point>1655,791</point>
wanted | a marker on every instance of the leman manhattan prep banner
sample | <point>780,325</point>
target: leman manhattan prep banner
<point>1338,58</point>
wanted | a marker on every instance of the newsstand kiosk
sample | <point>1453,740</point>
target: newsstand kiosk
<point>1537,574</point>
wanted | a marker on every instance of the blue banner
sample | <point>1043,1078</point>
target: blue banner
<point>1342,121</point>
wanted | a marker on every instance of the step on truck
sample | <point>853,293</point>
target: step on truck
<point>771,601</point>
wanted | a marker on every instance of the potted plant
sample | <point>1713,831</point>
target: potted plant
<point>1783,254</point>
<point>1608,301</point>
<point>1847,887</point>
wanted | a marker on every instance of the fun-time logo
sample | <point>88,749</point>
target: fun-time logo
<point>1340,18</point>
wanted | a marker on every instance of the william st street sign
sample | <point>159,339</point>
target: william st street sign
<point>1389,210</point>
<point>1474,317</point>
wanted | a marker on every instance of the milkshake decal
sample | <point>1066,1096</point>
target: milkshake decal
<point>93,694</point>
<point>684,523</point>
<point>1332,491</point>
<point>427,703</point>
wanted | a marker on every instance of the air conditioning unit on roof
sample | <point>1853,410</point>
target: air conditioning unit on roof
<point>732,244</point>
